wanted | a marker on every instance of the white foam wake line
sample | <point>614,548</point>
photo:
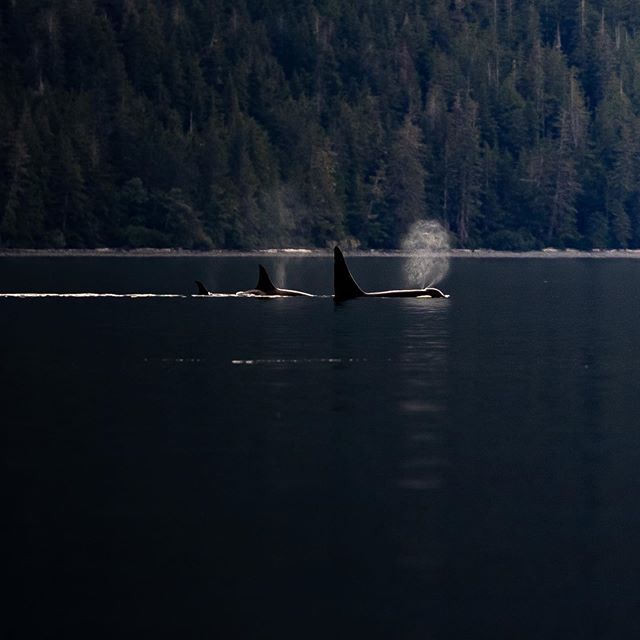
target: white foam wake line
<point>147,295</point>
<point>92,295</point>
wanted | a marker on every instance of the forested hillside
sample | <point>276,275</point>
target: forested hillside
<point>250,123</point>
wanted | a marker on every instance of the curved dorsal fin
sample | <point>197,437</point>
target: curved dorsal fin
<point>264,281</point>
<point>344,286</point>
<point>202,290</point>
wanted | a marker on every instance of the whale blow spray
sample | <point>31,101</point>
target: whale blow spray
<point>427,242</point>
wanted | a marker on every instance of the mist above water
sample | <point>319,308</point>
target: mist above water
<point>428,245</point>
<point>279,277</point>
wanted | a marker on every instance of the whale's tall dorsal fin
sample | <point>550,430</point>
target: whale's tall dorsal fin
<point>344,285</point>
<point>264,281</point>
<point>202,290</point>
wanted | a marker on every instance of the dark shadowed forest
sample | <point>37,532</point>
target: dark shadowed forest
<point>251,123</point>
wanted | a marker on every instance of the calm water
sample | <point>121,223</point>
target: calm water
<point>244,468</point>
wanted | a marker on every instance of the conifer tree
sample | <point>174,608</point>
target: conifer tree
<point>405,184</point>
<point>463,164</point>
<point>253,122</point>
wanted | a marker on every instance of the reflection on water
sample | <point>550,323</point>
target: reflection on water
<point>293,361</point>
<point>401,468</point>
<point>422,461</point>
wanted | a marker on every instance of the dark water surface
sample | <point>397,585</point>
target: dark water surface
<point>244,468</point>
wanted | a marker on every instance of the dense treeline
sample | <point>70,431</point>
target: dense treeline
<point>246,123</point>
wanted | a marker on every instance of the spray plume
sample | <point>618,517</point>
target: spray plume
<point>427,242</point>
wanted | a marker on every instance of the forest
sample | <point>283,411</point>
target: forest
<point>247,124</point>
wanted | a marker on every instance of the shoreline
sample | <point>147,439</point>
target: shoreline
<point>297,253</point>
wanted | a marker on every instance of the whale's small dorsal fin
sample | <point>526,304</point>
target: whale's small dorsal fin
<point>264,281</point>
<point>202,290</point>
<point>344,286</point>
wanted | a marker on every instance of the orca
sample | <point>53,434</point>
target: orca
<point>345,286</point>
<point>264,288</point>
